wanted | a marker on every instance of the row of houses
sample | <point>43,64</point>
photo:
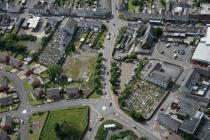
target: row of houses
<point>45,9</point>
<point>54,94</point>
<point>6,7</point>
<point>7,95</point>
<point>167,17</point>
<point>6,59</point>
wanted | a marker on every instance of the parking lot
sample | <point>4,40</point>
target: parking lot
<point>181,52</point>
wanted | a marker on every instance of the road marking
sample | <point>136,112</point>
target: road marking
<point>104,108</point>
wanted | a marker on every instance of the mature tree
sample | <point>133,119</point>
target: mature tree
<point>54,71</point>
<point>66,132</point>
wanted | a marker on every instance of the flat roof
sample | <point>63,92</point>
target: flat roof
<point>208,36</point>
<point>33,22</point>
<point>202,53</point>
<point>203,49</point>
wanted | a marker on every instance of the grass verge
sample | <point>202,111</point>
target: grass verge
<point>102,133</point>
<point>76,118</point>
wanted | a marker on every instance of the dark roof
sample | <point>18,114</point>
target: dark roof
<point>3,6</point>
<point>161,76</point>
<point>73,91</point>
<point>6,120</point>
<point>38,91</point>
<point>15,63</point>
<point>168,122</point>
<point>102,11</point>
<point>105,4</point>
<point>7,100</point>
<point>4,135</point>
<point>53,92</point>
<point>189,125</point>
<point>3,82</point>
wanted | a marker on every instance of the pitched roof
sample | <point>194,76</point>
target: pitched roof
<point>7,100</point>
<point>6,120</point>
<point>53,92</point>
<point>4,135</point>
<point>168,122</point>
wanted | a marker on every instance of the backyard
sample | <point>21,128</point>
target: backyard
<point>74,119</point>
<point>36,123</point>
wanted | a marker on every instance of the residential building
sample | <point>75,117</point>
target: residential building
<point>15,63</point>
<point>6,100</point>
<point>38,93</point>
<point>73,92</point>
<point>34,81</point>
<point>3,84</point>
<point>4,58</point>
<point>6,123</point>
<point>27,71</point>
<point>4,135</point>
<point>53,94</point>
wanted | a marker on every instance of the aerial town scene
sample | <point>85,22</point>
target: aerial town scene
<point>104,70</point>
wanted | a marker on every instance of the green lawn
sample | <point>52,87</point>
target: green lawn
<point>102,134</point>
<point>9,108</point>
<point>94,96</point>
<point>32,100</point>
<point>131,7</point>
<point>77,118</point>
<point>29,88</point>
<point>39,117</point>
<point>27,85</point>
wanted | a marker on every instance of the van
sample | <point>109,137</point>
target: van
<point>167,45</point>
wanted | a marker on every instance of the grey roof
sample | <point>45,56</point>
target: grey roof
<point>15,63</point>
<point>7,100</point>
<point>3,58</point>
<point>190,125</point>
<point>37,92</point>
<point>6,120</point>
<point>70,25</point>
<point>4,135</point>
<point>154,66</point>
<point>90,23</point>
<point>33,80</point>
<point>53,92</point>
<point>161,76</point>
<point>168,122</point>
<point>73,91</point>
<point>105,4</point>
<point>3,6</point>
<point>3,82</point>
<point>102,11</point>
